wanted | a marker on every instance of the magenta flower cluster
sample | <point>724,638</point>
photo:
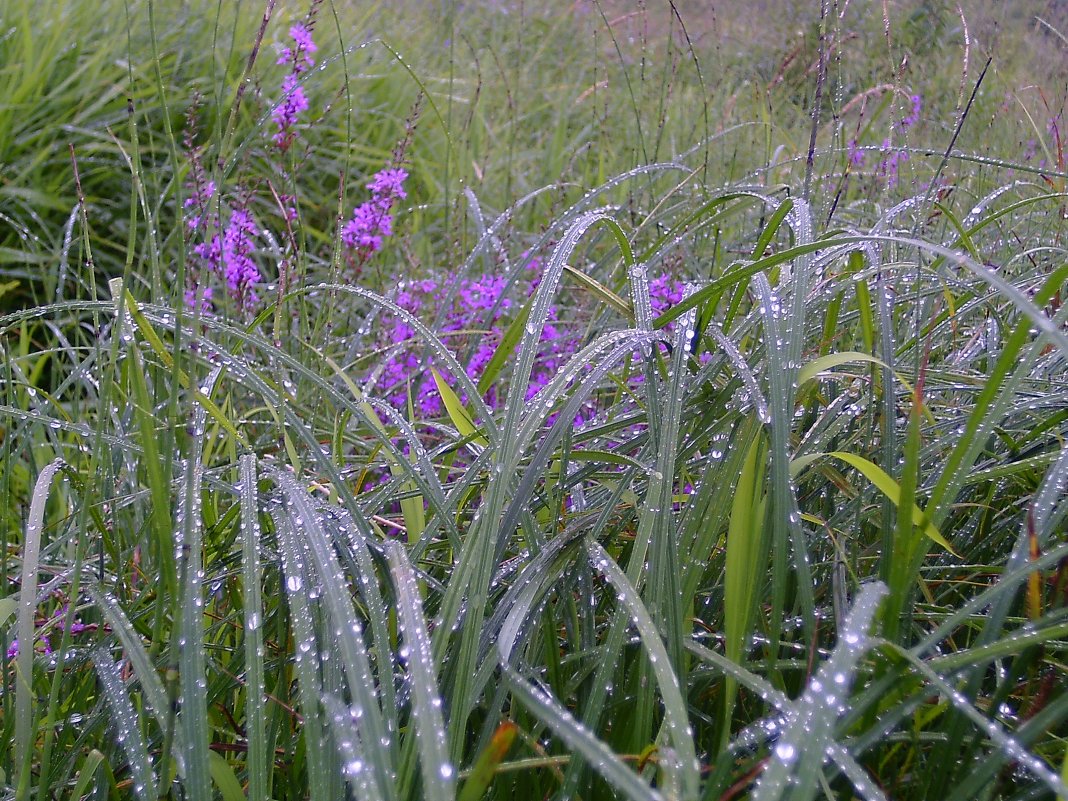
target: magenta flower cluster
<point>913,116</point>
<point>43,645</point>
<point>201,215</point>
<point>227,252</point>
<point>239,269</point>
<point>294,101</point>
<point>472,328</point>
<point>477,317</point>
<point>373,220</point>
<point>892,158</point>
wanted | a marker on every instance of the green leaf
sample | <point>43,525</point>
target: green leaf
<point>160,349</point>
<point>454,407</point>
<point>744,570</point>
<point>224,778</point>
<point>7,606</point>
<point>890,488</point>
<point>601,291</point>
<point>127,724</point>
<point>25,697</point>
<point>85,775</point>
<point>832,360</point>
<point>439,775</point>
<point>504,351</point>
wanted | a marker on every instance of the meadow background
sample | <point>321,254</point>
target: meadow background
<point>492,399</point>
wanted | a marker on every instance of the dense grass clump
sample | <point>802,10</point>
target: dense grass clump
<point>466,400</point>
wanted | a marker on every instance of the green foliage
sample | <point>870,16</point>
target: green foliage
<point>801,533</point>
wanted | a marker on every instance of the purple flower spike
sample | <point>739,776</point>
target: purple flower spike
<point>302,37</point>
<point>205,299</point>
<point>914,115</point>
<point>287,113</point>
<point>372,220</point>
<point>239,269</point>
<point>389,183</point>
<point>856,155</point>
<point>294,102</point>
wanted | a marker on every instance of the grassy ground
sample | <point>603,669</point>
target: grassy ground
<point>694,429</point>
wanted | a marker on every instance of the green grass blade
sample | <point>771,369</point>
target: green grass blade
<point>1001,740</point>
<point>785,535</point>
<point>892,490</point>
<point>344,721</point>
<point>577,737</point>
<point>24,625</point>
<point>152,688</point>
<point>744,570</point>
<point>675,714</point>
<point>128,731</point>
<point>439,774</point>
<point>257,763</point>
<point>801,750</point>
<point>223,775</point>
<point>191,658</point>
<point>306,655</point>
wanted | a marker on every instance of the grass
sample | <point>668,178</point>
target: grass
<point>678,443</point>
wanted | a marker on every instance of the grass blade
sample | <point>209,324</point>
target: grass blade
<point>255,682</point>
<point>125,719</point>
<point>745,566</point>
<point>801,750</point>
<point>439,775</point>
<point>485,767</point>
<point>675,716</point>
<point>24,626</point>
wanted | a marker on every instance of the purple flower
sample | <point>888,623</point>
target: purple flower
<point>199,201</point>
<point>210,252</point>
<point>202,217</point>
<point>914,115</point>
<point>856,155</point>
<point>42,646</point>
<point>389,183</point>
<point>373,220</point>
<point>300,55</point>
<point>191,298</point>
<point>890,163</point>
<point>286,114</point>
<point>239,269</point>
<point>294,102</point>
<point>365,230</point>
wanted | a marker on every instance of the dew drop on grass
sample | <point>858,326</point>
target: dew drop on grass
<point>786,752</point>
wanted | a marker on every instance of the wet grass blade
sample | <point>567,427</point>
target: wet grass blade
<point>24,625</point>
<point>1004,742</point>
<point>675,714</point>
<point>258,767</point>
<point>306,654</point>
<point>188,651</point>
<point>152,688</point>
<point>784,522</point>
<point>801,750</point>
<point>577,737</point>
<point>128,730</point>
<point>745,566</point>
<point>439,774</point>
<point>482,773</point>
<point>312,570</point>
